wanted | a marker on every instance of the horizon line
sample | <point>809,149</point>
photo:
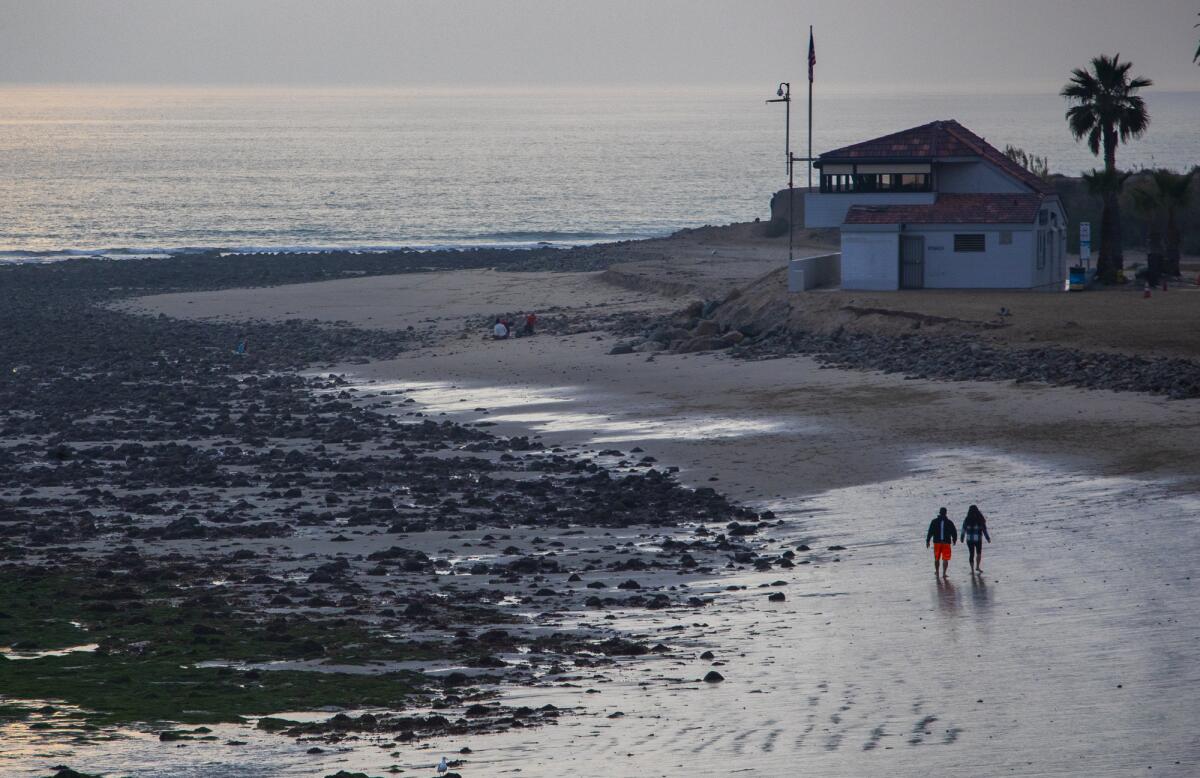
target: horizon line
<point>834,89</point>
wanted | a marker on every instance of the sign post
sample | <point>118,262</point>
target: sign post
<point>1085,243</point>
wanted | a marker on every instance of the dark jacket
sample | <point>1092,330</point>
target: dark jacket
<point>975,529</point>
<point>941,530</point>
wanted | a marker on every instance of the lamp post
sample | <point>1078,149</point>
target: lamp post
<point>784,95</point>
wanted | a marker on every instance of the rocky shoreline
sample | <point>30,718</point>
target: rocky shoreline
<point>946,356</point>
<point>181,512</point>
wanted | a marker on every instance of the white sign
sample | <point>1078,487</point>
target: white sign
<point>1085,240</point>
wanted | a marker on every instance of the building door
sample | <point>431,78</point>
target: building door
<point>912,262</point>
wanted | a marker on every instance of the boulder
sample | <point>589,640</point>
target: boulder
<point>732,338</point>
<point>701,343</point>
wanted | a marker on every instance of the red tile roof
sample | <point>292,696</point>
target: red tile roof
<point>936,140</point>
<point>953,209</point>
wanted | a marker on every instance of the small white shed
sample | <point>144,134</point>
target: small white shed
<point>961,241</point>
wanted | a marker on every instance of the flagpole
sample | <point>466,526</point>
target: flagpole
<point>810,87</point>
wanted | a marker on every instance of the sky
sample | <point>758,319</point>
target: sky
<point>868,45</point>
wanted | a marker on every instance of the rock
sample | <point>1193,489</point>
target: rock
<point>669,335</point>
<point>624,347</point>
<point>777,597</point>
<point>702,343</point>
<point>648,346</point>
<point>622,647</point>
<point>708,655</point>
<point>713,677</point>
<point>62,771</point>
<point>732,338</point>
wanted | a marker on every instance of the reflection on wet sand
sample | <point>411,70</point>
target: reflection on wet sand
<point>947,597</point>
<point>979,591</point>
<point>540,409</point>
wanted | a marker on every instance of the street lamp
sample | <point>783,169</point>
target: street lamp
<point>784,95</point>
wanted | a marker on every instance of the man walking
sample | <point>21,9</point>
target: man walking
<point>944,534</point>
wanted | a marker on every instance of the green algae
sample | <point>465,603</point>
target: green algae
<point>152,643</point>
<point>118,690</point>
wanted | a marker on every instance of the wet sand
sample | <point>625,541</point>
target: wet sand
<point>1074,652</point>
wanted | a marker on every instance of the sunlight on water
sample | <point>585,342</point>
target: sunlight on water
<point>9,653</point>
<point>435,397</point>
<point>135,171</point>
<point>602,429</point>
<point>541,410</point>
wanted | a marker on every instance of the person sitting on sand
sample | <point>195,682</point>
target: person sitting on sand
<point>500,330</point>
<point>530,321</point>
<point>943,534</point>
<point>974,530</point>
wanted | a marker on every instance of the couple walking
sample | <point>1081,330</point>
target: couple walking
<point>943,534</point>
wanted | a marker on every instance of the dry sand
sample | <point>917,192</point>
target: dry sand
<point>1075,653</point>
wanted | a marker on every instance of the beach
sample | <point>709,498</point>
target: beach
<point>432,390</point>
<point>1072,651</point>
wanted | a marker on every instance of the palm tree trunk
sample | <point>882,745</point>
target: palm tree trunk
<point>1172,244</point>
<point>1111,254</point>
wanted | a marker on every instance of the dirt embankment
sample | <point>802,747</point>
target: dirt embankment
<point>709,262</point>
<point>1116,321</point>
<point>1115,340</point>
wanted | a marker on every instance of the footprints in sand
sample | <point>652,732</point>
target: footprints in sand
<point>920,730</point>
<point>877,735</point>
<point>821,719</point>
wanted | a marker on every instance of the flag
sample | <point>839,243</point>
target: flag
<point>812,55</point>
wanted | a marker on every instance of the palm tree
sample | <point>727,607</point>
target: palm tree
<point>1107,185</point>
<point>1107,110</point>
<point>1174,191</point>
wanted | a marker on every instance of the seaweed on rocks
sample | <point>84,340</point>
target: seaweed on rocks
<point>176,509</point>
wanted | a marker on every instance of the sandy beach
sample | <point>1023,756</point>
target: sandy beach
<point>1071,652</point>
<point>525,390</point>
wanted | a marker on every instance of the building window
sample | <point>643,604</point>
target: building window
<point>837,182</point>
<point>1006,238</point>
<point>834,183</point>
<point>969,242</point>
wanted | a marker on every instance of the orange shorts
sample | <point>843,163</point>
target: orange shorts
<point>941,551</point>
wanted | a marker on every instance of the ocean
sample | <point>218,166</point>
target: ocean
<point>147,171</point>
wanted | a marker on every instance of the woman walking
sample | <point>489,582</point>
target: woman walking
<point>974,530</point>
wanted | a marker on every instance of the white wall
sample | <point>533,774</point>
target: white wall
<point>973,177</point>
<point>1008,266</point>
<point>829,210</point>
<point>870,260</point>
<point>812,272</point>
